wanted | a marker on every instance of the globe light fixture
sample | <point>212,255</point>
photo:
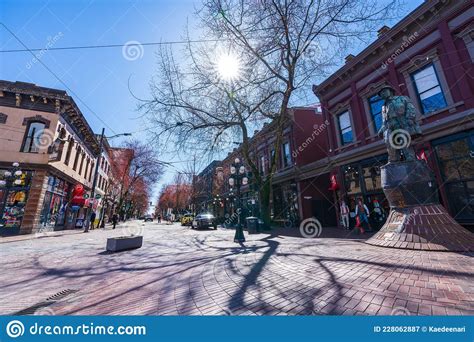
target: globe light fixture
<point>15,164</point>
<point>238,177</point>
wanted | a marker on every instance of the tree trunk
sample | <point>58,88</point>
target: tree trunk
<point>265,192</point>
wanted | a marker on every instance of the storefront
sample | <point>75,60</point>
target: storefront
<point>363,180</point>
<point>455,159</point>
<point>13,196</point>
<point>55,204</point>
<point>285,203</point>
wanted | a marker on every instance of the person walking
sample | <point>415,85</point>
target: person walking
<point>362,214</point>
<point>114,220</point>
<point>345,215</point>
<point>92,221</point>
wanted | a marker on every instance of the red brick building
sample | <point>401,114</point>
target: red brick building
<point>304,143</point>
<point>427,56</point>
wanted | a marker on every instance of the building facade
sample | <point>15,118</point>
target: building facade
<point>428,56</point>
<point>44,131</point>
<point>304,141</point>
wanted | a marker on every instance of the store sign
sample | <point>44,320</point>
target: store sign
<point>78,195</point>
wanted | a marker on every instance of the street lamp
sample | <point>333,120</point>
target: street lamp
<point>238,177</point>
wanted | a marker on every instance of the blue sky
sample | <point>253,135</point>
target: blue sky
<point>96,78</point>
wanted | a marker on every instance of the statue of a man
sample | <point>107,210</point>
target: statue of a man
<point>399,125</point>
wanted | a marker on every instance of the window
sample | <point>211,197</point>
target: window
<point>32,141</point>
<point>286,154</point>
<point>429,91</point>
<point>345,128</point>
<point>375,106</point>
<point>91,170</point>
<point>82,163</point>
<point>69,150</point>
<point>87,167</point>
<point>262,165</point>
<point>76,158</point>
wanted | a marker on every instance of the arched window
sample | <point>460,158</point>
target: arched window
<point>32,140</point>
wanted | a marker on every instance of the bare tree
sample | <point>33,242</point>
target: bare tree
<point>137,168</point>
<point>280,47</point>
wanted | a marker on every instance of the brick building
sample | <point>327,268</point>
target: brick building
<point>44,131</point>
<point>304,142</point>
<point>427,56</point>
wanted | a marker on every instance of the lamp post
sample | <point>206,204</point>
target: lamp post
<point>96,172</point>
<point>238,177</point>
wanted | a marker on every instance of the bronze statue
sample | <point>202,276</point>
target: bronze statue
<point>399,125</point>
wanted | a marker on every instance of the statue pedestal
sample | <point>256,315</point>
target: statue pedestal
<point>417,221</point>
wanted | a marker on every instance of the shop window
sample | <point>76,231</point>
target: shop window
<point>32,140</point>
<point>345,128</point>
<point>352,180</point>
<point>375,106</point>
<point>428,88</point>
<point>456,163</point>
<point>372,178</point>
<point>286,154</point>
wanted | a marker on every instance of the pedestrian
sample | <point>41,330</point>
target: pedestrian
<point>93,215</point>
<point>362,214</point>
<point>345,215</point>
<point>159,218</point>
<point>114,220</point>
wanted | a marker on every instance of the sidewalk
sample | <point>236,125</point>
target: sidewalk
<point>45,234</point>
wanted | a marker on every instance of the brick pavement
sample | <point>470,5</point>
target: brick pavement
<point>179,271</point>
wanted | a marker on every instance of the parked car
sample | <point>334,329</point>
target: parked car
<point>187,219</point>
<point>204,221</point>
<point>148,218</point>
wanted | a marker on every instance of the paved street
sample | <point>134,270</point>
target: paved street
<point>179,271</point>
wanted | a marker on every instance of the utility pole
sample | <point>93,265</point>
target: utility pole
<point>94,182</point>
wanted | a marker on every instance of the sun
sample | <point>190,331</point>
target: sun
<point>228,67</point>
